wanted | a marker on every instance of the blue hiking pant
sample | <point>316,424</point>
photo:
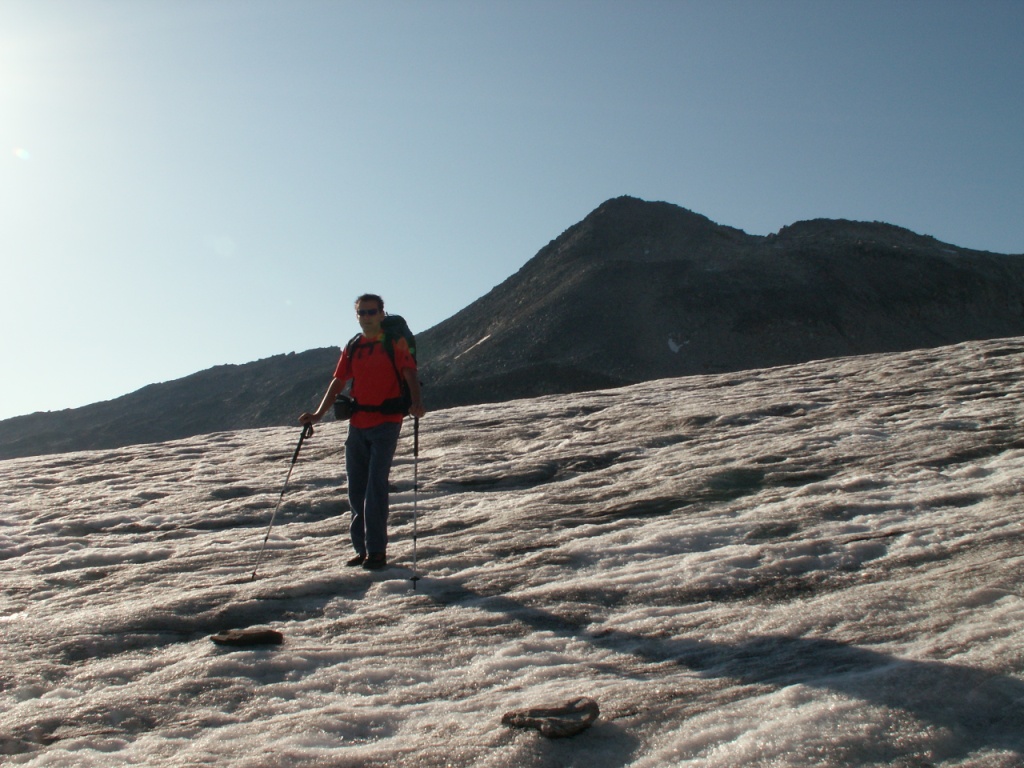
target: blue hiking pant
<point>368,455</point>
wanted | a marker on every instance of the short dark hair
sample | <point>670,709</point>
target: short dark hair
<point>371,297</point>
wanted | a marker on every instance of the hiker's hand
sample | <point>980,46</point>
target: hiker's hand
<point>417,410</point>
<point>309,418</point>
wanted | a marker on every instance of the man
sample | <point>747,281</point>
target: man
<point>374,427</point>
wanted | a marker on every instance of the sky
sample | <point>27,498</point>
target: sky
<point>192,183</point>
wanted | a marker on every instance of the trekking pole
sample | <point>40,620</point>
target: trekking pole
<point>415,490</point>
<point>307,431</point>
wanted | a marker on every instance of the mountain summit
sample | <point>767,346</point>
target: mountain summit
<point>641,290</point>
<point>636,291</point>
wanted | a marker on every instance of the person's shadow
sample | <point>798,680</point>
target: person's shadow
<point>973,708</point>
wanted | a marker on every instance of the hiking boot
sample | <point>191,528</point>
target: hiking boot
<point>375,562</point>
<point>355,561</point>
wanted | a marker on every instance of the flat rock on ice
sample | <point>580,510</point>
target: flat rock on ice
<point>557,721</point>
<point>249,636</point>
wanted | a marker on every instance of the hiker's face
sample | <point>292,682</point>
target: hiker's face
<point>369,315</point>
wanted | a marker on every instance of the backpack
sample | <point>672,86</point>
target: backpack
<point>394,327</point>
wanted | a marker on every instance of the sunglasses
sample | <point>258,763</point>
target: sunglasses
<point>367,312</point>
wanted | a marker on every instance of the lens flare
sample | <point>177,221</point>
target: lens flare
<point>22,154</point>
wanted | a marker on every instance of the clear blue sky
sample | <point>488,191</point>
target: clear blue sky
<point>185,183</point>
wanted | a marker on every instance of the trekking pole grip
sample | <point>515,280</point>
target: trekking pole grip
<point>307,431</point>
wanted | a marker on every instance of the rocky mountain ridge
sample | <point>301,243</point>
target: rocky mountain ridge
<point>640,290</point>
<point>635,291</point>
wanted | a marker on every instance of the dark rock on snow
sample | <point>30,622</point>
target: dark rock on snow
<point>248,636</point>
<point>558,721</point>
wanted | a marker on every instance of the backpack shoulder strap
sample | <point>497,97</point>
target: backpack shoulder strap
<point>352,343</point>
<point>389,346</point>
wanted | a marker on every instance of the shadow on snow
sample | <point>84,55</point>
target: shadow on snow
<point>976,708</point>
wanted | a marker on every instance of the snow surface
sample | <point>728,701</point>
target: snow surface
<point>815,565</point>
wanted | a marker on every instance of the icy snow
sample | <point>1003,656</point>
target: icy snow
<point>815,565</point>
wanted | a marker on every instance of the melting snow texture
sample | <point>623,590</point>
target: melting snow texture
<point>815,565</point>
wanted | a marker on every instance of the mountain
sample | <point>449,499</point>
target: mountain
<point>640,290</point>
<point>636,291</point>
<point>226,397</point>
